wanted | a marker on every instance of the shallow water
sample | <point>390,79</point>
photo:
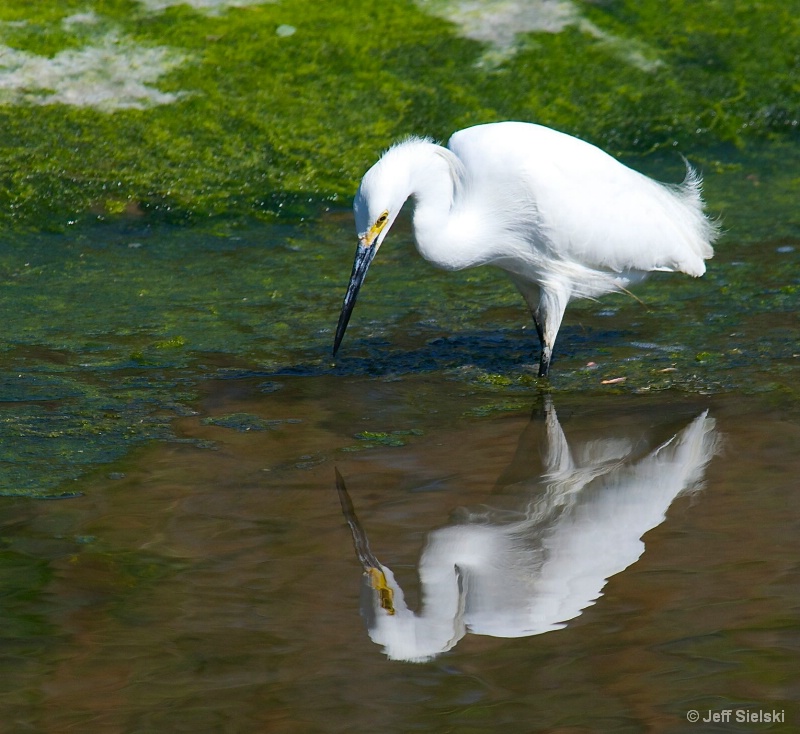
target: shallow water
<point>213,585</point>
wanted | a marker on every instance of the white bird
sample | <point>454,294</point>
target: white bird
<point>563,218</point>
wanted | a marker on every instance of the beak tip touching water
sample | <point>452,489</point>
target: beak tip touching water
<point>344,319</point>
<point>336,343</point>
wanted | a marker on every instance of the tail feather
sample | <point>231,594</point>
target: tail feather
<point>706,231</point>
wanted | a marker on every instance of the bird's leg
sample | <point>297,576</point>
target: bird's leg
<point>544,361</point>
<point>547,304</point>
<point>533,297</point>
<point>547,317</point>
<point>538,325</point>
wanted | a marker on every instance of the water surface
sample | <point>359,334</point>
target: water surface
<point>213,585</point>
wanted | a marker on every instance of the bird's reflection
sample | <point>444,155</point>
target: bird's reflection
<point>515,574</point>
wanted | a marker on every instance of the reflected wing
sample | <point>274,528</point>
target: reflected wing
<point>601,535</point>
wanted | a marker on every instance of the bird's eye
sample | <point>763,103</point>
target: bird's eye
<point>382,218</point>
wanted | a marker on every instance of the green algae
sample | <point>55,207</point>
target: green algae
<point>265,124</point>
<point>372,439</point>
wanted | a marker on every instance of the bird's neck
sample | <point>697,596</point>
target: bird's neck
<point>443,225</point>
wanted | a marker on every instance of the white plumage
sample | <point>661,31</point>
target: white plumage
<point>564,219</point>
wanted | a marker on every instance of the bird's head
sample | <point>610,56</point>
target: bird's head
<point>379,199</point>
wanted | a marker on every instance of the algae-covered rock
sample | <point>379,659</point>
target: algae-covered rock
<point>214,107</point>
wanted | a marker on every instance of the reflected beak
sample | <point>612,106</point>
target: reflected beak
<point>364,255</point>
<point>372,566</point>
<point>360,540</point>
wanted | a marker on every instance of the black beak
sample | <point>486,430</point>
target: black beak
<point>364,255</point>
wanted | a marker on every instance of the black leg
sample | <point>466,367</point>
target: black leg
<point>539,329</point>
<point>544,361</point>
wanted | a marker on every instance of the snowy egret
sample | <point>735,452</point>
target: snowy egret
<point>563,218</point>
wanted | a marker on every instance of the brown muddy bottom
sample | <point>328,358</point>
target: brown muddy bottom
<point>215,586</point>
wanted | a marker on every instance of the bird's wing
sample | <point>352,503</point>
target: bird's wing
<point>587,207</point>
